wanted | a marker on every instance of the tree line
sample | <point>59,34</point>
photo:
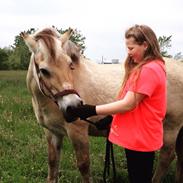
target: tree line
<point>17,56</point>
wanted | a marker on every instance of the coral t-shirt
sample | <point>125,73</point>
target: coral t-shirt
<point>142,128</point>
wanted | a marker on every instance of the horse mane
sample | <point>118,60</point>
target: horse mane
<point>47,36</point>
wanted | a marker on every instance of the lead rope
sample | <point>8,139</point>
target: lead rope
<point>109,157</point>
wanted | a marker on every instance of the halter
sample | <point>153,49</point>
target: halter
<point>43,85</point>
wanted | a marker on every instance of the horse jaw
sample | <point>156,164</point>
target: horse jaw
<point>71,100</point>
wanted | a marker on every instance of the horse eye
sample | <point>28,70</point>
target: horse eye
<point>71,65</point>
<point>45,72</point>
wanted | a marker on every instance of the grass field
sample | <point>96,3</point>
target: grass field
<point>23,149</point>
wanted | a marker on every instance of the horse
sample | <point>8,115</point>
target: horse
<point>173,120</point>
<point>59,76</point>
<point>179,153</point>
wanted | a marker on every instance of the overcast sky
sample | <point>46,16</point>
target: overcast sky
<point>102,22</point>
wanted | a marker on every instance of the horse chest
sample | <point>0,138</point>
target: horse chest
<point>49,116</point>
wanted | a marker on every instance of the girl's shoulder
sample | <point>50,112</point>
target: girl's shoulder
<point>155,65</point>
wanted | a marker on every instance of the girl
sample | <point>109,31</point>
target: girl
<point>141,106</point>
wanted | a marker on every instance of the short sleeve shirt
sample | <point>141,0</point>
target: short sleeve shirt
<point>142,129</point>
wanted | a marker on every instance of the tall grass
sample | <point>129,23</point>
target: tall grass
<point>23,149</point>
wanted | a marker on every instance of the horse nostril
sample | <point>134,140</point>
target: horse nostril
<point>68,109</point>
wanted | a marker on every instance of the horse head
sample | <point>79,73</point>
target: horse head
<point>54,59</point>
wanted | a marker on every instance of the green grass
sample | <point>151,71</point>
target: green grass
<point>23,148</point>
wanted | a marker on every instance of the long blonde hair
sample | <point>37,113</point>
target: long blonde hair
<point>141,34</point>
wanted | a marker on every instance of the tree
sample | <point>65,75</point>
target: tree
<point>20,57</point>
<point>4,54</point>
<point>165,43</point>
<point>178,56</point>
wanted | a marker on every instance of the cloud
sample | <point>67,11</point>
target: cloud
<point>103,23</point>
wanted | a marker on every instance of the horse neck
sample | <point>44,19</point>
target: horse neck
<point>95,82</point>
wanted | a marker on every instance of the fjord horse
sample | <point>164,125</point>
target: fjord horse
<point>59,77</point>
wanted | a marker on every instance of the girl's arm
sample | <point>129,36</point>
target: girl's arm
<point>128,103</point>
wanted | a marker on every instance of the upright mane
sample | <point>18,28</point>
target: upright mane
<point>47,36</point>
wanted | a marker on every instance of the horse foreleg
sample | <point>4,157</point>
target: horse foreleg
<point>179,152</point>
<point>166,156</point>
<point>83,160</point>
<point>54,147</point>
<point>79,138</point>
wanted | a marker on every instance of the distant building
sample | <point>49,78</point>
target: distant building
<point>112,61</point>
<point>106,62</point>
<point>115,61</point>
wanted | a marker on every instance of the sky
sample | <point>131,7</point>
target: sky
<point>102,22</point>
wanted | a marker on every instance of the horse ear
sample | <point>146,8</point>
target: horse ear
<point>72,51</point>
<point>29,41</point>
<point>66,36</point>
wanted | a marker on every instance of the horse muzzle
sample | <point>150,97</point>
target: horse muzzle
<point>68,101</point>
